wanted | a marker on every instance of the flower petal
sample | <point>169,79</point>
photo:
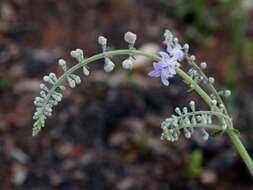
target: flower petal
<point>165,73</point>
<point>168,62</point>
<point>171,70</point>
<point>169,46</point>
<point>164,55</point>
<point>164,77</point>
<point>157,65</point>
<point>154,73</point>
<point>177,53</point>
<point>165,81</point>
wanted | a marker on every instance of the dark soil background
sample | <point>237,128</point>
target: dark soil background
<point>105,134</point>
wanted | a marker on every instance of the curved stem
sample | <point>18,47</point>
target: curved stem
<point>206,126</point>
<point>211,87</point>
<point>234,138</point>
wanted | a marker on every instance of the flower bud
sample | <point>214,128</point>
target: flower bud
<point>168,36</point>
<point>86,72</point>
<point>187,134</point>
<point>76,78</point>
<point>73,53</point>
<point>186,47</point>
<point>205,135</point>
<point>192,105</point>
<point>227,93</point>
<point>193,58</point>
<point>175,40</point>
<point>53,77</point>
<point>71,82</point>
<point>178,111</point>
<point>77,54</point>
<point>102,40</point>
<point>62,87</point>
<point>127,64</point>
<point>203,65</point>
<point>185,110</point>
<point>222,107</point>
<point>109,65</point>
<point>62,62</point>
<point>211,80</point>
<point>46,78</point>
<point>130,37</point>
<point>214,102</point>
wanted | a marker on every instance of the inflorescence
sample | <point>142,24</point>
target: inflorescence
<point>166,66</point>
<point>52,88</point>
<point>189,120</point>
<point>50,97</point>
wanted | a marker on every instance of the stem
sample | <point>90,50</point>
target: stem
<point>242,151</point>
<point>233,136</point>
<point>209,85</point>
<point>207,126</point>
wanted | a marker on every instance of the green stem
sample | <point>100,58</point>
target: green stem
<point>211,87</point>
<point>241,149</point>
<point>233,136</point>
<point>207,126</point>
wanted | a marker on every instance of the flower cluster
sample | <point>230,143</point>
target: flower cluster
<point>46,101</point>
<point>188,120</point>
<point>50,97</point>
<point>166,68</point>
<point>51,89</point>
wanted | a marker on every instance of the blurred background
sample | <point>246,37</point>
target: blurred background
<point>105,133</point>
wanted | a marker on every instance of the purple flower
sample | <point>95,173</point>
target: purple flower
<point>164,68</point>
<point>175,50</point>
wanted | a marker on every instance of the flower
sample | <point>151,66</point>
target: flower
<point>164,68</point>
<point>176,52</point>
<point>174,49</point>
